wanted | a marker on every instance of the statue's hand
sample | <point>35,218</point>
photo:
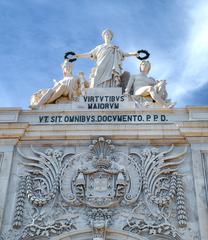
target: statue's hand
<point>137,55</point>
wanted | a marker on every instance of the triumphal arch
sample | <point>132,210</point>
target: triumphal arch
<point>105,157</point>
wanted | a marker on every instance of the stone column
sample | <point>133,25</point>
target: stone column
<point>6,156</point>
<point>199,182</point>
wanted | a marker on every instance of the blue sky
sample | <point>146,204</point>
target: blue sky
<point>34,34</point>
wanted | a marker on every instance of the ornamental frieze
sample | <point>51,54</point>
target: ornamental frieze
<point>101,189</point>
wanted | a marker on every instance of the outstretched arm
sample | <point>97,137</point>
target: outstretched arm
<point>137,54</point>
<point>84,55</point>
<point>131,54</point>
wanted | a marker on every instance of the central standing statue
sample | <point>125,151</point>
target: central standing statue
<point>108,59</point>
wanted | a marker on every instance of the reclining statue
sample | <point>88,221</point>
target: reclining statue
<point>64,90</point>
<point>148,87</point>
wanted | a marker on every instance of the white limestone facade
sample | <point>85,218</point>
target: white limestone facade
<point>103,168</point>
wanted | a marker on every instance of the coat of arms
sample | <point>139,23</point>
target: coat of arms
<point>142,187</point>
<point>101,181</point>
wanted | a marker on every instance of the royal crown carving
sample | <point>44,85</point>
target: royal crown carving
<point>101,188</point>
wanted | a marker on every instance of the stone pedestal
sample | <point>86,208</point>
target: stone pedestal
<point>104,91</point>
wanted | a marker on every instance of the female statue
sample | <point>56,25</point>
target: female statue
<point>108,59</point>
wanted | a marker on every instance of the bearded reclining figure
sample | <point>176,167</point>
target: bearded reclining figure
<point>64,90</point>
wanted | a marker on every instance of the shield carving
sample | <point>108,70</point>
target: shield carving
<point>100,187</point>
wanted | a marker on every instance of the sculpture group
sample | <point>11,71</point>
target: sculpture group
<point>108,72</point>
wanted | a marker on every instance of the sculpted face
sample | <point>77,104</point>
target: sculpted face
<point>107,35</point>
<point>67,68</point>
<point>145,67</point>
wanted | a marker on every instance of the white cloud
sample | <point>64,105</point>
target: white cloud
<point>175,33</point>
<point>194,72</point>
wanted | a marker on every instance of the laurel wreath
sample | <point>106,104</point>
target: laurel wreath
<point>70,54</point>
<point>70,59</point>
<point>147,54</point>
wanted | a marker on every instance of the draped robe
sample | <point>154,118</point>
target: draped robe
<point>108,59</point>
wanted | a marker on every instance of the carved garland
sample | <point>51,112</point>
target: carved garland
<point>19,209</point>
<point>158,179</point>
<point>181,209</point>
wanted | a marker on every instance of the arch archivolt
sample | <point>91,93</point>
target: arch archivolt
<point>111,234</point>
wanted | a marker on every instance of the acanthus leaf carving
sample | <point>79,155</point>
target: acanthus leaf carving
<point>104,180</point>
<point>42,180</point>
<point>161,185</point>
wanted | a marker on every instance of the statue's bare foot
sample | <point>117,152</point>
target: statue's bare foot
<point>33,107</point>
<point>146,104</point>
<point>171,105</point>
